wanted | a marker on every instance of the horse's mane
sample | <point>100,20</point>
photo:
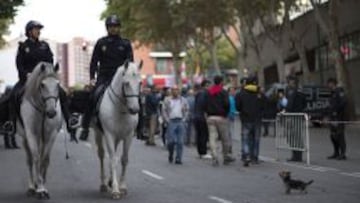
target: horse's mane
<point>41,71</point>
<point>120,70</point>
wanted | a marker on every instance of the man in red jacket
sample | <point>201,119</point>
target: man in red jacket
<point>217,110</point>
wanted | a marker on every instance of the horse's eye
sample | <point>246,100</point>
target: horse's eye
<point>42,85</point>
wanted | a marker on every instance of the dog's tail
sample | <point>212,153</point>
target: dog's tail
<point>311,181</point>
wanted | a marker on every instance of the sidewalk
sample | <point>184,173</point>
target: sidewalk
<point>320,148</point>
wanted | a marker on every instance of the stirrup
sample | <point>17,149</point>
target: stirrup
<point>8,126</point>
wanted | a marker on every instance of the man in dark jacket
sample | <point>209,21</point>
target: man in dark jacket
<point>337,113</point>
<point>110,52</point>
<point>201,128</point>
<point>217,109</point>
<point>296,104</point>
<point>249,103</point>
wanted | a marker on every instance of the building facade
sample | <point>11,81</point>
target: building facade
<point>317,49</point>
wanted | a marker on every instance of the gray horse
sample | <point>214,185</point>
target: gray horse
<point>116,121</point>
<point>40,122</point>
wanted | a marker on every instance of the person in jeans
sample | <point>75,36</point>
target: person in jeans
<point>176,111</point>
<point>217,109</point>
<point>249,104</point>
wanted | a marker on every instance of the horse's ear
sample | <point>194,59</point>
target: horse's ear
<point>141,64</point>
<point>56,67</point>
<point>43,67</point>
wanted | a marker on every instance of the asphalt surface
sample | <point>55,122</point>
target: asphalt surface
<point>152,179</point>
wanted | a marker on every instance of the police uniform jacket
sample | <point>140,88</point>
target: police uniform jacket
<point>29,54</point>
<point>337,104</point>
<point>109,53</point>
<point>296,100</point>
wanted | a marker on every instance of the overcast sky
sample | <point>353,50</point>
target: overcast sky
<point>63,19</point>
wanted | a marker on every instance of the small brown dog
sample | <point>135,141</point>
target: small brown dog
<point>293,184</point>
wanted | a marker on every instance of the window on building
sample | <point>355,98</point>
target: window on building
<point>350,46</point>
<point>161,66</point>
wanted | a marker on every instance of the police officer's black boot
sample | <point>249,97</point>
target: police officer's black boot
<point>7,141</point>
<point>85,127</point>
<point>13,141</point>
<point>85,124</point>
<point>94,96</point>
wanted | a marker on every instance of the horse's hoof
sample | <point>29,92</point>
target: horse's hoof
<point>103,188</point>
<point>116,195</point>
<point>123,191</point>
<point>42,195</point>
<point>30,192</point>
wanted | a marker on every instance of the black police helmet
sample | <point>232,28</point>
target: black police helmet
<point>112,20</point>
<point>32,24</point>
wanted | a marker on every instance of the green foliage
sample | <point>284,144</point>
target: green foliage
<point>8,10</point>
<point>226,56</point>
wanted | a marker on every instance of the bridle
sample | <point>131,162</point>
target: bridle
<point>43,101</point>
<point>122,98</point>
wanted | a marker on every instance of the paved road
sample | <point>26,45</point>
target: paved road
<point>152,179</point>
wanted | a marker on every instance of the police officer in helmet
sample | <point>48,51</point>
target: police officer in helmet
<point>337,112</point>
<point>31,52</point>
<point>109,53</point>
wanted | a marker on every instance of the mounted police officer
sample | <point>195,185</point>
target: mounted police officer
<point>336,112</point>
<point>109,53</point>
<point>31,52</point>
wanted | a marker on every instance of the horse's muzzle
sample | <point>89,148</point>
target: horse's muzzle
<point>51,114</point>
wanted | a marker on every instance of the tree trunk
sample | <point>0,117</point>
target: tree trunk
<point>280,65</point>
<point>177,69</point>
<point>304,62</point>
<point>214,58</point>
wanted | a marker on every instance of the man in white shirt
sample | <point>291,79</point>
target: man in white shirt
<point>176,110</point>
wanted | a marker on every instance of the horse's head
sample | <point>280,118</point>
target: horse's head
<point>44,83</point>
<point>130,85</point>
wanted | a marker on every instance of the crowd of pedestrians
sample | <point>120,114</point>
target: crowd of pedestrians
<point>205,116</point>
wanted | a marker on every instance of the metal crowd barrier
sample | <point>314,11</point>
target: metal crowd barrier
<point>292,133</point>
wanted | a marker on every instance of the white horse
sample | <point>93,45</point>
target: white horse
<point>39,123</point>
<point>116,121</point>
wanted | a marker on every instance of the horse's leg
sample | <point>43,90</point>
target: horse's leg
<point>29,161</point>
<point>33,144</point>
<point>124,162</point>
<point>114,159</point>
<point>101,153</point>
<point>44,166</point>
<point>46,147</point>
